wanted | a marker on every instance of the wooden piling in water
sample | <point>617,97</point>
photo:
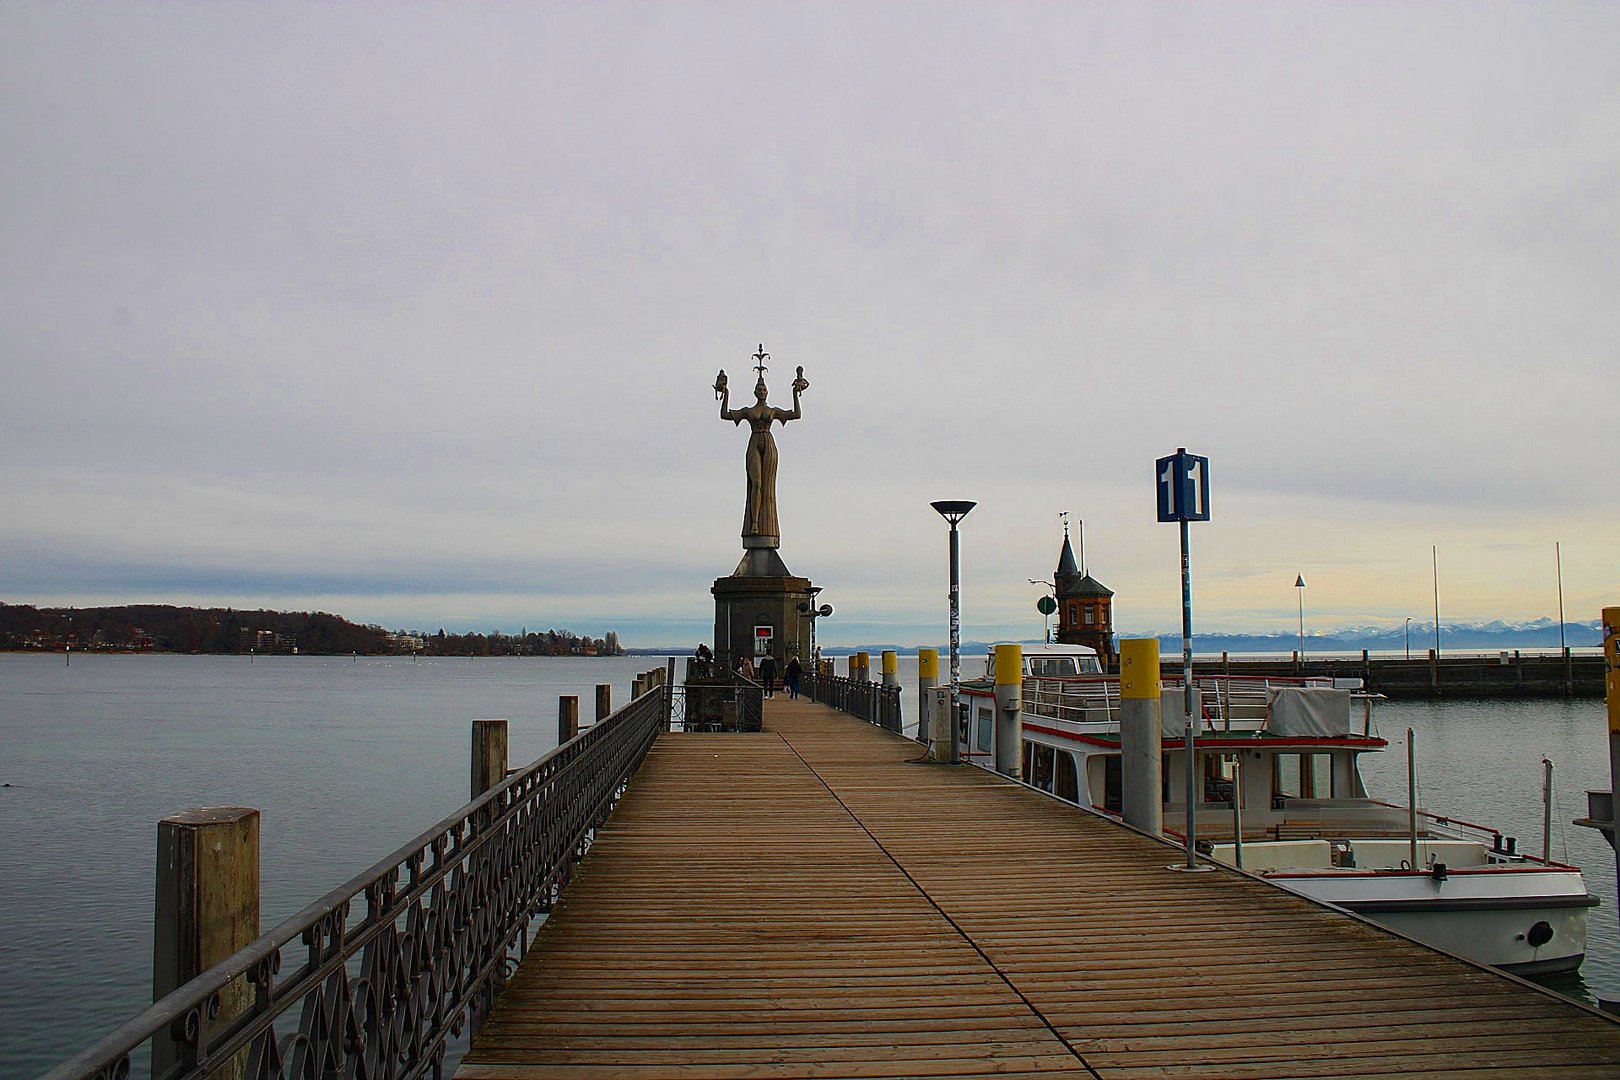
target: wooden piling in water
<point>567,718</point>
<point>205,909</point>
<point>488,755</point>
<point>604,701</point>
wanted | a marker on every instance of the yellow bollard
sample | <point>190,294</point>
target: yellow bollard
<point>1140,750</point>
<point>1009,733</point>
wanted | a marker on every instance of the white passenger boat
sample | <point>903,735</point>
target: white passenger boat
<point>1307,821</point>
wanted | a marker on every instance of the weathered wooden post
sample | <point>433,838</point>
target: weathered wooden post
<point>488,755</point>
<point>604,701</point>
<point>669,693</point>
<point>206,908</point>
<point>927,679</point>
<point>1009,727</point>
<point>1140,749</point>
<point>567,718</point>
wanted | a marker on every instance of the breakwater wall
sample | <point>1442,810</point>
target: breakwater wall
<point>1494,675</point>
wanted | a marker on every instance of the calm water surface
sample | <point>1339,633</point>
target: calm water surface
<point>346,759</point>
<point>349,759</point>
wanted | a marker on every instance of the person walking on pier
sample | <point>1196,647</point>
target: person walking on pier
<point>791,676</point>
<point>767,674</point>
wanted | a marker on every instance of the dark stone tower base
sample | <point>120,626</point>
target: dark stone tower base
<point>751,607</point>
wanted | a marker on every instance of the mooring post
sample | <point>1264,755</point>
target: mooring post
<point>567,718</point>
<point>1009,736</point>
<point>1140,749</point>
<point>206,908</point>
<point>604,701</point>
<point>669,693</point>
<point>927,679</point>
<point>488,755</point>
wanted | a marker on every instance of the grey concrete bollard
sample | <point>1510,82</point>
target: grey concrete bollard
<point>1141,755</point>
<point>1009,727</point>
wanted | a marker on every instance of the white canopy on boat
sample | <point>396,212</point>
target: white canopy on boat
<point>1307,711</point>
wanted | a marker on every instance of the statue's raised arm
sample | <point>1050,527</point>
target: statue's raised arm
<point>722,394</point>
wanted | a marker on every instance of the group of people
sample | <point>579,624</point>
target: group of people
<point>766,672</point>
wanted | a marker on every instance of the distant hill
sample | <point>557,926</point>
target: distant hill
<point>165,628</point>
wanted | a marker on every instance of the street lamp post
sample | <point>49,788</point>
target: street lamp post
<point>1299,583</point>
<point>1409,637</point>
<point>809,610</point>
<point>1042,605</point>
<point>953,511</point>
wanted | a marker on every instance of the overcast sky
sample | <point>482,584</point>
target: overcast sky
<point>412,312</point>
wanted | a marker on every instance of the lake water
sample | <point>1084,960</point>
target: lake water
<point>348,759</point>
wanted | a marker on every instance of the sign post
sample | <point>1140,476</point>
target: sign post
<point>1182,480</point>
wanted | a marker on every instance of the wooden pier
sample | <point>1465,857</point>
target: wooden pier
<point>804,902</point>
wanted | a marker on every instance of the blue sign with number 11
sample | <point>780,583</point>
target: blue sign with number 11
<point>1183,484</point>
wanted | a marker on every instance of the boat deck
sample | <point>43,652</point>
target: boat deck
<point>804,902</point>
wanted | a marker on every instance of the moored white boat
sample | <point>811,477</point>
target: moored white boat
<point>1307,822</point>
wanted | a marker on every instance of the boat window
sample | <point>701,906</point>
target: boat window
<point>1090,666</point>
<point>1285,780</point>
<point>986,730</point>
<point>1043,768</point>
<point>1066,785</point>
<point>1051,667</point>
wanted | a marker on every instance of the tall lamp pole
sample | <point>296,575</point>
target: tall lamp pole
<point>809,610</point>
<point>1299,583</point>
<point>1409,637</point>
<point>1435,554</point>
<point>953,511</point>
<point>1563,649</point>
<point>1042,605</point>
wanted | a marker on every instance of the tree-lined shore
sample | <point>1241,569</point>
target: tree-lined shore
<point>229,631</point>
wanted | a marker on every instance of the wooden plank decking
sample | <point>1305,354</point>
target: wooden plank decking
<point>803,902</point>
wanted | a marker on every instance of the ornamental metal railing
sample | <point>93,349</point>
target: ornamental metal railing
<point>717,703</point>
<point>378,978</point>
<point>870,701</point>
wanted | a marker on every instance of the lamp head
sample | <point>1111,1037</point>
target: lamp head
<point>1300,582</point>
<point>953,510</point>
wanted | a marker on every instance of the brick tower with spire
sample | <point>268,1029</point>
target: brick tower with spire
<point>1085,605</point>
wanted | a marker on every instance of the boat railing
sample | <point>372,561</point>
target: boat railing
<point>1454,828</point>
<point>1092,699</point>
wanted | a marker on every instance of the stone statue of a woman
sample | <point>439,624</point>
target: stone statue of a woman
<point>759,512</point>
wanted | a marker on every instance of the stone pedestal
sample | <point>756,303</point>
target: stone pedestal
<point>760,595</point>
